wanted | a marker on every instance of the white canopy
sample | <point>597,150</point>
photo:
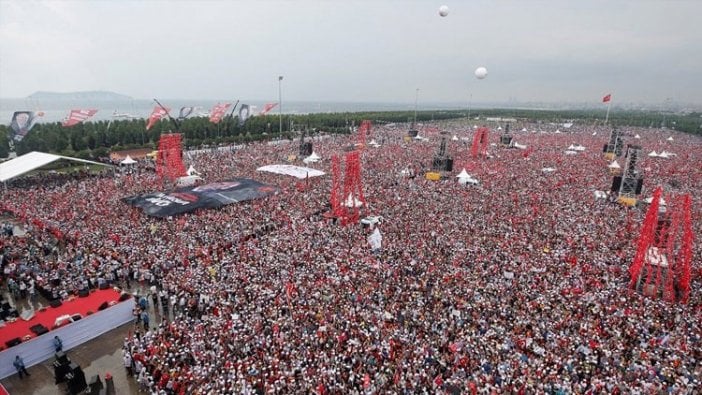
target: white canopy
<point>601,195</point>
<point>312,158</point>
<point>614,165</point>
<point>662,201</point>
<point>375,239</point>
<point>454,138</point>
<point>499,128</point>
<point>352,201</point>
<point>520,146</point>
<point>524,129</point>
<point>32,161</point>
<point>558,131</point>
<point>187,181</point>
<point>290,170</point>
<point>664,155</point>
<point>463,174</point>
<point>373,143</point>
<point>128,161</point>
<point>670,138</point>
<point>192,172</point>
<point>467,180</point>
<point>637,137</point>
<point>570,152</point>
<point>579,148</point>
<point>653,154</point>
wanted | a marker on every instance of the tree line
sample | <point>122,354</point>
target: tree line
<point>96,139</point>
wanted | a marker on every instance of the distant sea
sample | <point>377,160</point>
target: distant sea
<point>57,110</point>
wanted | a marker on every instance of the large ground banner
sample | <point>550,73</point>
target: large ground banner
<point>213,195</point>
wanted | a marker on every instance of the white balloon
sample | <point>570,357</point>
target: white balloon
<point>481,72</point>
<point>443,10</point>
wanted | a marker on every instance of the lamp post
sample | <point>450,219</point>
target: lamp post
<point>280,107</point>
<point>416,99</point>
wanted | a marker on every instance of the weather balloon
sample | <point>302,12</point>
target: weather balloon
<point>443,10</point>
<point>481,72</point>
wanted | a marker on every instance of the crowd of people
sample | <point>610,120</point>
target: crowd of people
<point>517,285</point>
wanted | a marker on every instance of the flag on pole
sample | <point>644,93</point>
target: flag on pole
<point>185,112</point>
<point>243,114</point>
<point>218,112</point>
<point>607,98</point>
<point>78,116</point>
<point>267,108</point>
<point>156,115</point>
<point>22,123</point>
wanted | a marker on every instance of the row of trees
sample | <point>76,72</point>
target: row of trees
<point>96,139</point>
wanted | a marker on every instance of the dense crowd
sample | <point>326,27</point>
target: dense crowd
<point>517,285</point>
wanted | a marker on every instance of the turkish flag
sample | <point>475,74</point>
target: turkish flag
<point>607,98</point>
<point>158,113</point>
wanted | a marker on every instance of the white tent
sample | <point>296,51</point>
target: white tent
<point>614,165</point>
<point>662,202</point>
<point>375,240</point>
<point>594,133</point>
<point>187,181</point>
<point>664,155</point>
<point>524,129</point>
<point>579,148</point>
<point>32,161</point>
<point>548,169</point>
<point>670,138</point>
<point>600,195</point>
<point>454,138</point>
<point>570,152</point>
<point>374,143</point>
<point>499,128</point>
<point>192,172</point>
<point>312,158</point>
<point>637,137</point>
<point>465,178</point>
<point>290,170</point>
<point>653,154</point>
<point>128,161</point>
<point>352,201</point>
<point>519,146</point>
<point>558,131</point>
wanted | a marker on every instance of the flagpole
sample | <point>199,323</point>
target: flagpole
<point>609,105</point>
<point>280,107</point>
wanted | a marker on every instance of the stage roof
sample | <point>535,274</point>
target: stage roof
<point>32,161</point>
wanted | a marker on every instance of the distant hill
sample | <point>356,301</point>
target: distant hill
<point>87,95</point>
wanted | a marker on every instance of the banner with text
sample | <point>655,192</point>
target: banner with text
<point>213,195</point>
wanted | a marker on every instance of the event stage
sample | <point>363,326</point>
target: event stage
<point>35,349</point>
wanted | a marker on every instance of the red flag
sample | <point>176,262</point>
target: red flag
<point>607,98</point>
<point>218,112</point>
<point>267,108</point>
<point>158,113</point>
<point>78,116</point>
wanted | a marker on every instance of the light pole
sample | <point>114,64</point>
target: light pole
<point>416,99</point>
<point>280,107</point>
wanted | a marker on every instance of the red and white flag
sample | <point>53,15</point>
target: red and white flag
<point>78,116</point>
<point>267,108</point>
<point>607,98</point>
<point>218,112</point>
<point>156,115</point>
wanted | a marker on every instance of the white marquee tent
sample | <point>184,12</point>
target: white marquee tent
<point>32,161</point>
<point>290,170</point>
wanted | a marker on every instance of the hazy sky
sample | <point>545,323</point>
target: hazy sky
<point>371,51</point>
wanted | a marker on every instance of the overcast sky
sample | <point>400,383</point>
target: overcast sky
<point>367,51</point>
